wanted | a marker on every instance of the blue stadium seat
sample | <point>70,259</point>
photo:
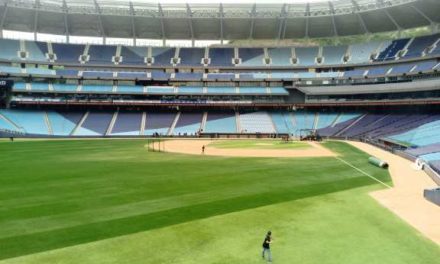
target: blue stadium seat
<point>191,56</point>
<point>68,53</point>
<point>133,55</point>
<point>221,56</point>
<point>251,56</point>
<point>102,54</point>
<point>306,55</point>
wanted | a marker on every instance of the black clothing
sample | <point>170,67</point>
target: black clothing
<point>266,243</point>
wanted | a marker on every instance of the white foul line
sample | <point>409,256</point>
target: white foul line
<point>363,172</point>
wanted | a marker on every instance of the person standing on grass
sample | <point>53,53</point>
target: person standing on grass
<point>266,246</point>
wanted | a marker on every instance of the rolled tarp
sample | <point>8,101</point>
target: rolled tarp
<point>377,162</point>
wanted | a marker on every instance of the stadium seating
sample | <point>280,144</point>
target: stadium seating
<point>280,56</point>
<point>97,74</point>
<point>64,87</point>
<point>127,124</point>
<point>378,71</point>
<point>191,56</point>
<point>36,50</point>
<point>163,56</point>
<point>302,120</point>
<point>190,90</point>
<point>425,66</point>
<point>252,90</point>
<point>133,55</point>
<point>361,53</point>
<point>63,123</point>
<point>96,124</point>
<point>188,124</point>
<point>130,89</point>
<point>102,54</point>
<point>392,50</point>
<point>97,88</point>
<point>31,122</point>
<point>39,87</point>
<point>419,45</point>
<point>221,56</point>
<point>9,49</point>
<point>221,76</point>
<point>306,55</point>
<point>402,68</point>
<point>68,53</point>
<point>221,123</point>
<point>333,55</point>
<point>159,123</point>
<point>358,73</point>
<point>426,134</point>
<point>282,122</point>
<point>256,122</point>
<point>132,75</point>
<point>251,57</point>
<point>221,90</point>
<point>325,120</point>
<point>186,76</point>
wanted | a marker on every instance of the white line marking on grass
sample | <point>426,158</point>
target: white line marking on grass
<point>363,172</point>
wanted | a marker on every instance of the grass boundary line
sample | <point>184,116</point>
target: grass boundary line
<point>363,172</point>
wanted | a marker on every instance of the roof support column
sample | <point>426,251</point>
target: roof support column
<point>162,24</point>
<point>306,34</point>
<point>133,25</point>
<point>335,29</point>
<point>101,27</point>
<point>398,27</point>
<point>253,15</point>
<point>190,24</point>
<point>37,8</point>
<point>281,27</point>
<point>2,21</point>
<point>221,16</point>
<point>66,22</point>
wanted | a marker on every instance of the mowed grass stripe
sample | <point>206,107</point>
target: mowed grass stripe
<point>70,180</point>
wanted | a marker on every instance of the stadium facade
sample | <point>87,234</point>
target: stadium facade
<point>386,92</point>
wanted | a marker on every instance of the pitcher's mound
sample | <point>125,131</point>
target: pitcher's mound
<point>253,149</point>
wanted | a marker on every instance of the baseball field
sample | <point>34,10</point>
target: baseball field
<point>113,201</point>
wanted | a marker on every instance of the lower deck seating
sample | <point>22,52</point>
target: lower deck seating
<point>159,123</point>
<point>256,122</point>
<point>188,124</point>
<point>221,123</point>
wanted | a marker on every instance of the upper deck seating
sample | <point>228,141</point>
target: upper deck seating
<point>133,55</point>
<point>68,53</point>
<point>9,49</point>
<point>102,54</point>
<point>163,56</point>
<point>361,52</point>
<point>419,45</point>
<point>280,56</point>
<point>251,56</point>
<point>306,55</point>
<point>221,56</point>
<point>391,51</point>
<point>191,56</point>
<point>36,50</point>
<point>334,55</point>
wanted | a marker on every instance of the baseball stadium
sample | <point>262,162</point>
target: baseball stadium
<point>220,132</point>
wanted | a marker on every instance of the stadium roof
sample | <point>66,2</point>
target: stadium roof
<point>230,21</point>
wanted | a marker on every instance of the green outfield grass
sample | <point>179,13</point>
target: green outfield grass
<point>258,144</point>
<point>111,201</point>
